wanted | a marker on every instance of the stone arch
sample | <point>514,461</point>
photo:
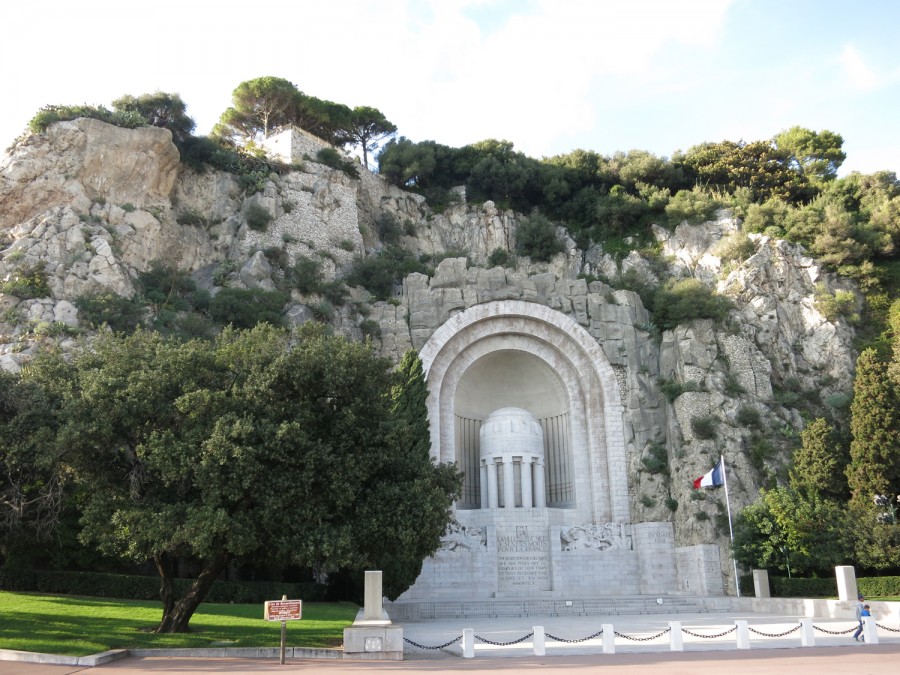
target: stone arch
<point>588,382</point>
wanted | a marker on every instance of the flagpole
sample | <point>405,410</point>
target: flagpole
<point>737,582</point>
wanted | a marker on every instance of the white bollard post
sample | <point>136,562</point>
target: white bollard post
<point>870,632</point>
<point>540,648</point>
<point>676,642</point>
<point>743,634</point>
<point>468,643</point>
<point>807,635</point>
<point>609,638</point>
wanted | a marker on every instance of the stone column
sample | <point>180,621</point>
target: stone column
<point>509,485</point>
<point>372,595</point>
<point>846,582</point>
<point>761,584</point>
<point>527,484</point>
<point>493,499</point>
<point>540,498</point>
<point>483,470</point>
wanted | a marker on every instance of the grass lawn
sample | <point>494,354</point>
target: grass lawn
<point>78,626</point>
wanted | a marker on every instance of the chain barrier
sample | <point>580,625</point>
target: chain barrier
<point>584,639</point>
<point>834,632</point>
<point>643,639</point>
<point>446,644</point>
<point>776,635</point>
<point>710,637</point>
<point>505,644</point>
<point>893,630</point>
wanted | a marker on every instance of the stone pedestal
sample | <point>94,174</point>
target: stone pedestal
<point>846,582</point>
<point>372,635</point>
<point>761,584</point>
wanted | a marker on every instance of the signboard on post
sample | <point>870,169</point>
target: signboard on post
<point>283,610</point>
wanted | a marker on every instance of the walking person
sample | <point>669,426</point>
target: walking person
<point>860,609</point>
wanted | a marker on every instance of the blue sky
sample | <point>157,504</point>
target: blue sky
<point>548,75</point>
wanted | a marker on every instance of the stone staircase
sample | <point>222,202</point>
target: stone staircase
<point>421,610</point>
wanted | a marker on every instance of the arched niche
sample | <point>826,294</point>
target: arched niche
<point>565,369</point>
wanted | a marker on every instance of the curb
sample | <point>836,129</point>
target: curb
<point>206,653</point>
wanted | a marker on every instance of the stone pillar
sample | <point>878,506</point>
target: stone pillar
<point>493,499</point>
<point>540,494</point>
<point>527,483</point>
<point>468,643</point>
<point>509,485</point>
<point>870,633</point>
<point>761,584</point>
<point>846,582</point>
<point>539,644</point>
<point>483,470</point>
<point>676,641</point>
<point>609,638</point>
<point>743,634</point>
<point>807,635</point>
<point>372,596</point>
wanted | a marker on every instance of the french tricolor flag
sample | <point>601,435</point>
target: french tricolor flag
<point>716,476</point>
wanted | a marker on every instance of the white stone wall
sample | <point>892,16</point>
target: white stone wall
<point>699,570</point>
<point>655,546</point>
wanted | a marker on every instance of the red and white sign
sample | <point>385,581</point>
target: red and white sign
<point>283,610</point>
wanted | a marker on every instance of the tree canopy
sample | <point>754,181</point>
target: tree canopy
<point>302,449</point>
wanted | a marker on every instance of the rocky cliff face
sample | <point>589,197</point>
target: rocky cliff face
<point>92,206</point>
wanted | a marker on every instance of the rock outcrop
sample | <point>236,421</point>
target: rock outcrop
<point>91,206</point>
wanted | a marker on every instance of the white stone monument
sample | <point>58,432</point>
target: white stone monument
<point>524,400</point>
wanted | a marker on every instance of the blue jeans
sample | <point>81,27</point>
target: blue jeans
<point>858,630</point>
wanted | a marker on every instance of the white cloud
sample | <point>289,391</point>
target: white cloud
<point>856,70</point>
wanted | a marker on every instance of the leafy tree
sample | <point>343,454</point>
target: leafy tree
<point>875,424</point>
<point>815,155</point>
<point>160,110</point>
<point>258,446</point>
<point>367,128</point>
<point>785,529</point>
<point>258,107</point>
<point>32,486</point>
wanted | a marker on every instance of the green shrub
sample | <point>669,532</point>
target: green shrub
<point>736,247</point>
<point>499,257</point>
<point>694,206</point>
<point>246,308</point>
<point>388,228</point>
<point>59,113</point>
<point>379,273</point>
<point>322,311</point>
<point>835,305</point>
<point>678,301</point>
<point>704,427</point>
<point>672,389</point>
<point>732,386</point>
<point>370,328</point>
<point>701,516</point>
<point>257,217</point>
<point>332,158</point>
<point>761,450</point>
<point>346,245</point>
<point>128,207</point>
<point>305,275</point>
<point>191,218</point>
<point>748,417</point>
<point>804,588</point>
<point>649,502</point>
<point>122,315</point>
<point>671,504</point>
<point>335,292</point>
<point>536,238</point>
<point>657,459</point>
<point>26,283</point>
<point>276,256</point>
<point>879,587</point>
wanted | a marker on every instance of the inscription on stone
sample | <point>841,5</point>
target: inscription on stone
<point>523,560</point>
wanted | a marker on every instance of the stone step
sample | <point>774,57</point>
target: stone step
<point>420,610</point>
